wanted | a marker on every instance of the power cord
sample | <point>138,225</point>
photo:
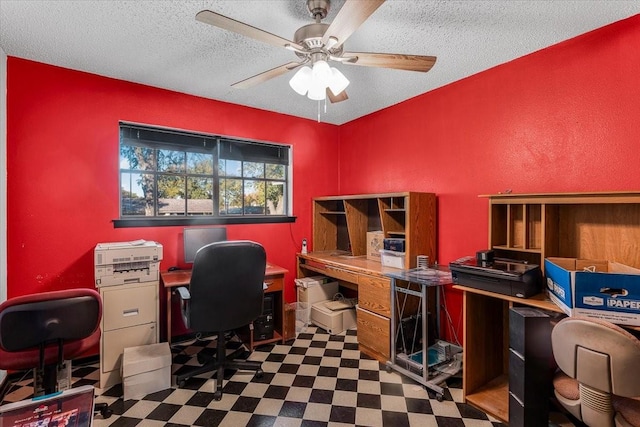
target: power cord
<point>349,301</point>
<point>452,329</point>
<point>340,297</point>
<point>293,239</point>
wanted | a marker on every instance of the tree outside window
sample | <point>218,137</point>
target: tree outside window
<point>166,174</point>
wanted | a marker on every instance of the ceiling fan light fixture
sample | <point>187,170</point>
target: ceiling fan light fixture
<point>301,80</point>
<point>338,81</point>
<point>317,92</point>
<point>322,73</point>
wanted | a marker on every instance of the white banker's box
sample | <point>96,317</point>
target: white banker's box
<point>333,322</point>
<point>146,369</point>
<point>317,293</point>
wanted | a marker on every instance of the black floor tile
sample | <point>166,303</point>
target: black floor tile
<point>304,381</point>
<point>245,404</point>
<point>201,399</point>
<point>321,396</point>
<point>164,412</point>
<point>395,419</point>
<point>210,418</point>
<point>369,401</point>
<point>276,392</point>
<point>292,409</point>
<point>343,414</point>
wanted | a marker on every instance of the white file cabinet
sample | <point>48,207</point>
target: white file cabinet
<point>129,319</point>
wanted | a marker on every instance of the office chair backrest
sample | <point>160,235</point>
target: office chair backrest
<point>604,360</point>
<point>70,318</point>
<point>599,354</point>
<point>226,285</point>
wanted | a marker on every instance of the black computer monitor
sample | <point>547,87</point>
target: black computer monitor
<point>197,237</point>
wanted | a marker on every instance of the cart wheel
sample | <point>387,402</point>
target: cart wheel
<point>439,397</point>
<point>388,369</point>
<point>182,383</point>
<point>106,413</point>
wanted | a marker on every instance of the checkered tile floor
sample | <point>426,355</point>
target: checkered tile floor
<point>316,380</point>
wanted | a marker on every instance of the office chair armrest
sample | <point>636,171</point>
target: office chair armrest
<point>183,293</point>
<point>185,297</point>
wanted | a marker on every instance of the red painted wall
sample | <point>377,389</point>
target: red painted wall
<point>566,118</point>
<point>62,161</point>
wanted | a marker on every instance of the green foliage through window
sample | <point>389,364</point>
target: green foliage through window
<point>166,173</point>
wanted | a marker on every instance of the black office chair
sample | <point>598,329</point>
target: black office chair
<point>225,293</point>
<point>41,331</point>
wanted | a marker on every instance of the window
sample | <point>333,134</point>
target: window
<point>170,177</point>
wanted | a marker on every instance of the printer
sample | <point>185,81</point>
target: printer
<point>504,276</point>
<point>119,263</point>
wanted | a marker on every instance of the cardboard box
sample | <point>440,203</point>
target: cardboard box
<point>146,369</point>
<point>305,282</point>
<point>317,293</point>
<point>375,242</point>
<point>594,288</point>
<point>392,259</point>
<point>334,322</point>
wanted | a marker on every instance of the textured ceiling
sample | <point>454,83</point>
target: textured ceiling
<point>159,43</point>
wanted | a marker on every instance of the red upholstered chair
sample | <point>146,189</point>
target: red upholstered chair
<point>600,364</point>
<point>41,331</point>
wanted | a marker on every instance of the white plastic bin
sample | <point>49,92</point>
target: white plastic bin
<point>303,313</point>
<point>392,259</point>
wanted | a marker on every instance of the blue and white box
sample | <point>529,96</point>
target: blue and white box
<point>600,289</point>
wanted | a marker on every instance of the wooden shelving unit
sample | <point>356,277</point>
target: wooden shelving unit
<point>532,227</point>
<point>341,223</point>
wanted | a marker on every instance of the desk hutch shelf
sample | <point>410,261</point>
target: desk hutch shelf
<point>533,227</point>
<point>341,223</point>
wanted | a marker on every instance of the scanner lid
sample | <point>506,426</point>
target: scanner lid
<point>499,266</point>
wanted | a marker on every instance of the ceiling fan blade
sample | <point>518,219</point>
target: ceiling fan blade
<point>390,60</point>
<point>352,14</point>
<point>342,96</point>
<point>221,21</point>
<point>266,75</point>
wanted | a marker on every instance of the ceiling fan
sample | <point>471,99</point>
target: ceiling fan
<point>317,44</point>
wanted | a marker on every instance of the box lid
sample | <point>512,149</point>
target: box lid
<point>145,358</point>
<point>305,282</point>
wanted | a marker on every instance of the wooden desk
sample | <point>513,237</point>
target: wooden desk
<point>367,278</point>
<point>274,279</point>
<point>485,366</point>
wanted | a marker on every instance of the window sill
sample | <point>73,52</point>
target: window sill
<point>181,221</point>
